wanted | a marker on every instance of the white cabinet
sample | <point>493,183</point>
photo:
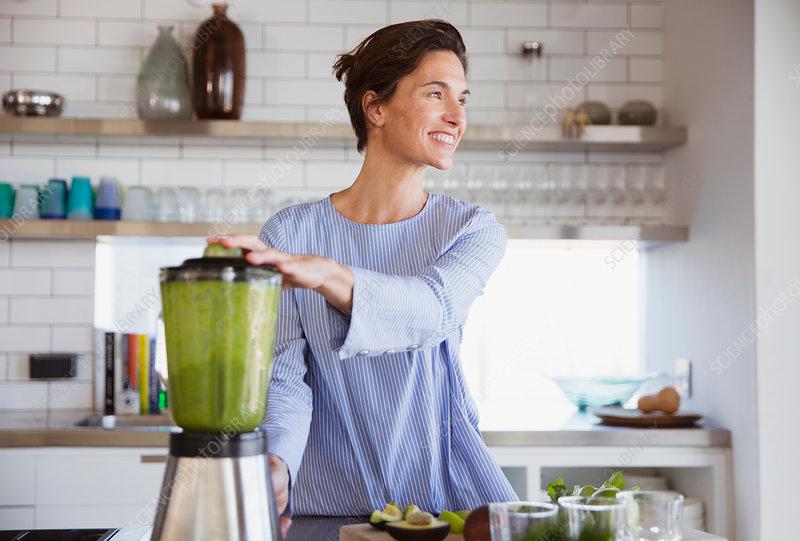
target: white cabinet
<point>16,517</point>
<point>702,472</point>
<point>86,487</point>
<point>17,477</point>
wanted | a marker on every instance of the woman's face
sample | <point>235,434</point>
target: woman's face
<point>424,120</point>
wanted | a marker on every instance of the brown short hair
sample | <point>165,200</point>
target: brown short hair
<point>387,55</point>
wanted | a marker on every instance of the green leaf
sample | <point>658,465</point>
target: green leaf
<point>556,489</point>
<point>617,480</point>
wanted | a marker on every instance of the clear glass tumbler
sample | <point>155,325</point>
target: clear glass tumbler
<point>592,518</point>
<point>652,515</point>
<point>524,521</point>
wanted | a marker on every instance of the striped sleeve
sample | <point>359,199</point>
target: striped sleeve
<point>289,400</point>
<point>393,313</point>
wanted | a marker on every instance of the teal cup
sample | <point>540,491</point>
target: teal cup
<point>80,202</point>
<point>54,200</point>
<point>6,200</point>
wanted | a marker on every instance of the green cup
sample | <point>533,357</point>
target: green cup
<point>6,200</point>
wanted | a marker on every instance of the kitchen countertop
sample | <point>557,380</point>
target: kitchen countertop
<point>57,429</point>
<point>327,529</point>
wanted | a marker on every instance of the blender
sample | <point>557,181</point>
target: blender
<point>220,316</point>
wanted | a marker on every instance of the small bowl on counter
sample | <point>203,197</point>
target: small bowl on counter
<point>595,392</point>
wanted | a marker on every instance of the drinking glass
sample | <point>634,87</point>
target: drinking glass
<point>107,205</point>
<point>6,200</point>
<point>520,205</point>
<point>523,521</point>
<point>188,203</point>
<point>26,204</point>
<point>54,200</point>
<point>595,518</point>
<point>652,515</point>
<point>138,204</point>
<point>166,204</point>
<point>240,205</point>
<point>214,205</point>
<point>80,201</point>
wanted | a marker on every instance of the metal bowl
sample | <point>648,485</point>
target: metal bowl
<point>33,103</point>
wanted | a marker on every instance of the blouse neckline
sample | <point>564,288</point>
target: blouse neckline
<point>406,221</point>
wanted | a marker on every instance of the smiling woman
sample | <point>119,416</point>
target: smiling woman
<point>368,401</point>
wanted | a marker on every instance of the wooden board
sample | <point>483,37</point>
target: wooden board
<point>635,418</point>
<point>365,532</point>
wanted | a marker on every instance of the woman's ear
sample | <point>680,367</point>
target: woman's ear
<point>373,111</point>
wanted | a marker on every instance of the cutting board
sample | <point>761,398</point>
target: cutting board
<point>365,532</point>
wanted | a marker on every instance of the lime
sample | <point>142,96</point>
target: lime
<point>463,513</point>
<point>216,249</point>
<point>456,522</point>
<point>587,490</point>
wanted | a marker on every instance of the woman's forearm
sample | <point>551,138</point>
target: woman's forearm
<point>337,288</point>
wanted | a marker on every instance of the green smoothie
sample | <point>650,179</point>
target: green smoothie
<point>220,337</point>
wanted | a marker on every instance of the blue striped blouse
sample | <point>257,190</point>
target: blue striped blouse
<point>373,406</point>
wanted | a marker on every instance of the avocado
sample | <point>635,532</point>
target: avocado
<point>433,530</point>
<point>391,513</point>
<point>410,508</point>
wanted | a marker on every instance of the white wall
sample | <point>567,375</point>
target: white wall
<point>90,50</point>
<point>777,106</point>
<point>701,295</point>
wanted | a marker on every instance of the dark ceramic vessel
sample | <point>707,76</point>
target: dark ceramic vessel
<point>218,67</point>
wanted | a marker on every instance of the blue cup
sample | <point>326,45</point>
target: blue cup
<point>6,200</point>
<point>80,202</point>
<point>107,206</point>
<point>53,200</point>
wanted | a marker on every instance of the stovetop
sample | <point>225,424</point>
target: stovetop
<point>58,535</point>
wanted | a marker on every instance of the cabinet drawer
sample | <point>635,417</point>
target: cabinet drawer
<point>92,516</point>
<point>16,518</point>
<point>96,476</point>
<point>18,475</point>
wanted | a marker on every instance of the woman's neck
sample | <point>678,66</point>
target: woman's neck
<point>388,189</point>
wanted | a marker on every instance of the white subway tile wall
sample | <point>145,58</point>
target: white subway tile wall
<point>90,51</point>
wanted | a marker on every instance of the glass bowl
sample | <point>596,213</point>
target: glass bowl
<point>595,392</point>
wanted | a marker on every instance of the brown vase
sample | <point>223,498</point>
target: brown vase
<point>219,67</point>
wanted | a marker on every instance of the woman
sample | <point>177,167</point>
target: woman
<point>368,401</point>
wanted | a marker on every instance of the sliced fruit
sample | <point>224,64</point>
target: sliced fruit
<point>403,530</point>
<point>410,508</point>
<point>216,249</point>
<point>376,520</point>
<point>463,513</point>
<point>456,522</point>
<point>586,490</point>
<point>393,510</point>
<point>608,492</point>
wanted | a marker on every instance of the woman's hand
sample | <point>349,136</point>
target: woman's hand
<point>279,472</point>
<point>324,275</point>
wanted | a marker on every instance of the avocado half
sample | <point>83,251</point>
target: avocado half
<point>391,513</point>
<point>404,531</point>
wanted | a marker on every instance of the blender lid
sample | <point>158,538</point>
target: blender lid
<point>216,266</point>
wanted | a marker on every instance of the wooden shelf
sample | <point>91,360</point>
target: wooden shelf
<point>646,235</point>
<point>602,138</point>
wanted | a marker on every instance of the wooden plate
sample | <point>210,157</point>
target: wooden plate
<point>637,419</point>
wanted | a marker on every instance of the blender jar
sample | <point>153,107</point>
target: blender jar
<point>220,317</point>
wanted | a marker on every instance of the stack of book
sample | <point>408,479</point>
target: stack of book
<point>126,366</point>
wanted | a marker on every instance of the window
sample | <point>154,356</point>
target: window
<point>549,309</point>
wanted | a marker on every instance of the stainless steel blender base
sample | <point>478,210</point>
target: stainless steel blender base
<point>216,499</point>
